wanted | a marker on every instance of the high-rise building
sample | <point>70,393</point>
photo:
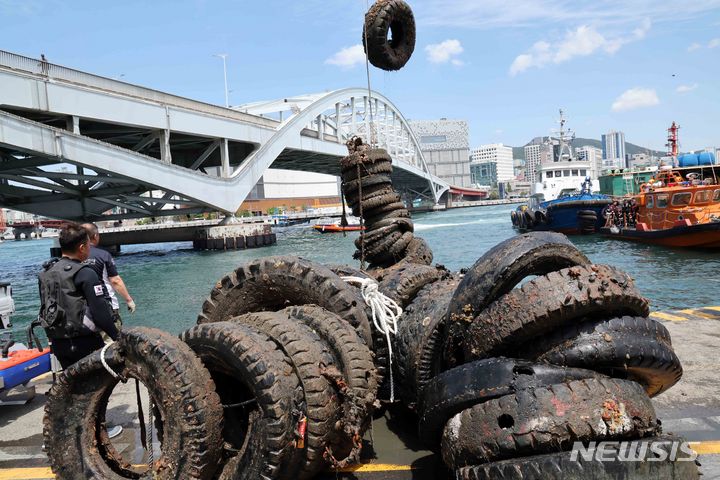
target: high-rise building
<point>532,162</point>
<point>592,155</point>
<point>446,147</point>
<point>613,147</point>
<point>498,154</point>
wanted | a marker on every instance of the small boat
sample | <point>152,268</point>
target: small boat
<point>331,225</point>
<point>673,211</point>
<point>18,364</point>
<point>571,213</point>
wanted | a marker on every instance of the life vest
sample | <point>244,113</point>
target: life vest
<point>62,305</point>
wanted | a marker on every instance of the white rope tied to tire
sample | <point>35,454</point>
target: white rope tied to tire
<point>105,364</point>
<point>385,312</point>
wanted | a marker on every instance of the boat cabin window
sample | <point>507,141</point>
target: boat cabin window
<point>558,174</point>
<point>583,173</point>
<point>566,173</point>
<point>650,201</point>
<point>575,173</point>
<point>681,199</point>
<point>716,196</point>
<point>548,174</point>
<point>662,201</point>
<point>702,196</point>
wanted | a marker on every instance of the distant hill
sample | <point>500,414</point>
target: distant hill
<point>630,148</point>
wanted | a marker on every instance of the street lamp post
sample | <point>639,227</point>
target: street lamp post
<point>224,59</point>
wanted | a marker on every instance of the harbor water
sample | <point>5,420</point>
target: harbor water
<point>170,281</point>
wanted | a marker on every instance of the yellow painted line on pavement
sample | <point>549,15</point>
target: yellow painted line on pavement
<point>668,316</point>
<point>377,467</point>
<point>706,448</point>
<point>39,473</point>
<point>698,313</point>
<point>717,309</point>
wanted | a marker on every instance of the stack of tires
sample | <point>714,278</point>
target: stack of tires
<point>505,379</point>
<point>367,185</point>
<point>587,220</point>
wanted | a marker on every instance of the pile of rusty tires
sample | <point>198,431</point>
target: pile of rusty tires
<point>507,375</point>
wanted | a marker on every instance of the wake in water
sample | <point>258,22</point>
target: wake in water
<point>429,226</point>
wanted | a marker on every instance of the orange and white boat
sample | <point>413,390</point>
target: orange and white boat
<point>329,225</point>
<point>675,212</point>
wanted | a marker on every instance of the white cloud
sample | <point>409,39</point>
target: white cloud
<point>714,43</point>
<point>686,88</point>
<point>694,46</point>
<point>635,98</point>
<point>445,52</point>
<point>348,58</point>
<point>581,42</point>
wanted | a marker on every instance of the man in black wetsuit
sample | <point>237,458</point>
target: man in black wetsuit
<point>74,309</point>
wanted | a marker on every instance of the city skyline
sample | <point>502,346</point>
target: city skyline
<point>505,69</point>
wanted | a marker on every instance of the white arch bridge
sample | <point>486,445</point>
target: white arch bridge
<point>79,146</point>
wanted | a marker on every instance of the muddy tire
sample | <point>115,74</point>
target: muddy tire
<point>548,419</point>
<point>416,341</point>
<point>418,251</point>
<point>308,356</point>
<point>403,282</point>
<point>502,268</point>
<point>560,466</point>
<point>273,283</point>
<point>368,193</point>
<point>549,302</point>
<point>636,348</point>
<point>181,388</point>
<point>378,202</point>
<point>462,387</point>
<point>248,367</point>
<point>382,166</point>
<point>388,18</point>
<point>352,187</point>
<point>347,271</point>
<point>402,224</point>
<point>357,380</point>
<point>364,157</point>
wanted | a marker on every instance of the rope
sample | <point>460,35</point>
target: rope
<point>151,456</point>
<point>105,364</point>
<point>367,72</point>
<point>385,312</point>
<point>362,221</point>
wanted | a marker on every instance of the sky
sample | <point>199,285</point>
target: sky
<point>505,66</point>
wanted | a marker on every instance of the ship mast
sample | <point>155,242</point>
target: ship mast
<point>565,138</point>
<point>673,140</point>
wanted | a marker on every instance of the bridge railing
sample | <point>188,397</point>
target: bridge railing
<point>51,71</point>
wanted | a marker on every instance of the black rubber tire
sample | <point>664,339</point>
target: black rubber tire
<point>418,251</point>
<point>183,392</point>
<point>636,348</point>
<point>357,381</point>
<point>378,202</point>
<point>560,466</point>
<point>587,213</point>
<point>376,234</point>
<point>364,156</point>
<point>247,365</point>
<point>352,187</point>
<point>549,302</point>
<point>513,217</point>
<point>347,271</point>
<point>540,217</point>
<point>500,270</point>
<point>403,282</point>
<point>529,219</point>
<point>403,224</point>
<point>379,249</point>
<point>416,340</point>
<point>401,213</point>
<point>366,169</point>
<point>368,193</point>
<point>548,419</point>
<point>384,16</point>
<point>378,213</point>
<point>309,357</point>
<point>462,387</point>
<point>273,283</point>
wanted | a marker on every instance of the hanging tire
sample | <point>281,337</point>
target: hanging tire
<point>183,393</point>
<point>383,166</point>
<point>353,186</point>
<point>462,387</point>
<point>416,341</point>
<point>548,419</point>
<point>529,219</point>
<point>548,302</point>
<point>403,282</point>
<point>309,360</point>
<point>273,283</point>
<point>646,465</point>
<point>513,217</point>
<point>356,377</point>
<point>497,272</point>
<point>636,348</point>
<point>418,251</point>
<point>384,18</point>
<point>370,204</point>
<point>540,217</point>
<point>248,367</point>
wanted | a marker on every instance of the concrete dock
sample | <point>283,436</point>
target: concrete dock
<point>690,409</point>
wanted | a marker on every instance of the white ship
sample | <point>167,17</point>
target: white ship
<point>565,175</point>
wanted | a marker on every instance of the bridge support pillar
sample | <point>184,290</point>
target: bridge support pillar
<point>73,124</point>
<point>165,154</point>
<point>224,158</point>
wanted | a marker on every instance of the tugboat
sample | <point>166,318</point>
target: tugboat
<point>556,203</point>
<point>673,211</point>
<point>18,363</point>
<point>329,225</point>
